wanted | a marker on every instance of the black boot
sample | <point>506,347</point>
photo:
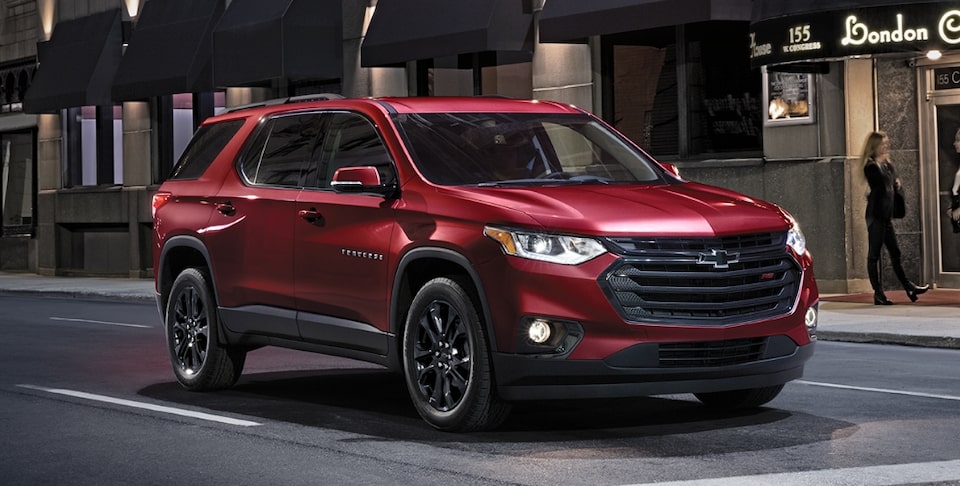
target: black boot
<point>873,271</point>
<point>913,290</point>
<point>880,299</point>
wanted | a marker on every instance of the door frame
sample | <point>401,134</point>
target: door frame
<point>932,214</point>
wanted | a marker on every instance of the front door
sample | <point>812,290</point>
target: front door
<point>940,160</point>
<point>341,250</point>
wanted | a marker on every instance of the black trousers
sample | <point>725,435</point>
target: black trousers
<point>881,234</point>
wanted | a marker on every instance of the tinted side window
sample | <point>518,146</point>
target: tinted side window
<point>353,141</point>
<point>203,148</point>
<point>282,151</point>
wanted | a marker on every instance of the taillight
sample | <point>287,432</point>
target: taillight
<point>159,199</point>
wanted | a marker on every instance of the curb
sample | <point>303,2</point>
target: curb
<point>80,294</point>
<point>942,342</point>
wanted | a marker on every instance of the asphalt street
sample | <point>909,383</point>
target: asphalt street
<point>932,321</point>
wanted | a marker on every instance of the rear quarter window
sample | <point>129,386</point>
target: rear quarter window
<point>204,148</point>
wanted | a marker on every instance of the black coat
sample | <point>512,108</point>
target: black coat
<point>882,178</point>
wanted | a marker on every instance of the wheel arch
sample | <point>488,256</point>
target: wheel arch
<point>423,264</point>
<point>178,253</point>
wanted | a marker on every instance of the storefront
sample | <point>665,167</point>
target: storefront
<point>769,98</point>
<point>900,74</point>
<point>116,92</point>
<point>18,146</point>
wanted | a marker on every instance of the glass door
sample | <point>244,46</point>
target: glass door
<point>940,168</point>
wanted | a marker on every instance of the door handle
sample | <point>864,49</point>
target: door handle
<point>226,208</point>
<point>311,216</point>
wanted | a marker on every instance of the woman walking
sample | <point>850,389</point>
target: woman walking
<point>883,181</point>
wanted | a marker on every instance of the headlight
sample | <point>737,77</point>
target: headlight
<point>563,249</point>
<point>796,240</point>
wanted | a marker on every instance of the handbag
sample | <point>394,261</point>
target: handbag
<point>899,206</point>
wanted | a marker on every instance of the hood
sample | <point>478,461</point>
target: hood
<point>687,209</point>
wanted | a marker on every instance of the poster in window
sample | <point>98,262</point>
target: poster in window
<point>790,98</point>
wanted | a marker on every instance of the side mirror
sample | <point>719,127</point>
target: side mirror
<point>364,179</point>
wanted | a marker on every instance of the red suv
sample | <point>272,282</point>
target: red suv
<point>490,250</point>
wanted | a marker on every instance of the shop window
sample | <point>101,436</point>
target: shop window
<point>724,94</point>
<point>93,146</point>
<point>645,94</point>
<point>176,118</point>
<point>18,196</point>
<point>683,92</point>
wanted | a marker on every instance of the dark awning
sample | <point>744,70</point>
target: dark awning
<point>799,38</point>
<point>77,64</point>
<point>409,30</point>
<point>296,40</point>
<point>769,9</point>
<point>170,50</point>
<point>575,20</point>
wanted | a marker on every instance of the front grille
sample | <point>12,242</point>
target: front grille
<point>719,280</point>
<point>713,353</point>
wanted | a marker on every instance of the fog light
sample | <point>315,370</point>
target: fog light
<point>810,319</point>
<point>539,331</point>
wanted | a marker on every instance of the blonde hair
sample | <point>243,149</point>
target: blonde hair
<point>871,146</point>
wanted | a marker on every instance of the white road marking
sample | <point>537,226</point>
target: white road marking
<point>99,322</point>
<point>916,473</point>
<point>145,406</point>
<point>880,390</point>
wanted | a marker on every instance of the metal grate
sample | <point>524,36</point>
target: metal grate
<point>703,280</point>
<point>713,353</point>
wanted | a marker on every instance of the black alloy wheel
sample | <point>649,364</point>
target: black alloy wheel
<point>442,356</point>
<point>200,362</point>
<point>190,331</point>
<point>446,362</point>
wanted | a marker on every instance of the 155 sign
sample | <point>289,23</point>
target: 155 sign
<point>800,33</point>
<point>946,78</point>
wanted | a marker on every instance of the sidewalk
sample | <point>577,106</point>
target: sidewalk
<point>932,321</point>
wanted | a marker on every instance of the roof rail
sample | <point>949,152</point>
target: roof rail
<point>289,99</point>
<point>315,97</point>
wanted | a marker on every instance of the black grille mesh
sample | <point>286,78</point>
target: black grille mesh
<point>713,353</point>
<point>703,280</point>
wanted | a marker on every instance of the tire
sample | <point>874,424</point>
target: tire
<point>200,361</point>
<point>739,399</point>
<point>446,360</point>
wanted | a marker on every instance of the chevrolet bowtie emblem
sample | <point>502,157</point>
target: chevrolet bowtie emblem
<point>718,258</point>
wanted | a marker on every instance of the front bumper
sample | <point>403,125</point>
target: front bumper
<point>637,371</point>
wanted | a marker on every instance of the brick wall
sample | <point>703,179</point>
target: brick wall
<point>19,29</point>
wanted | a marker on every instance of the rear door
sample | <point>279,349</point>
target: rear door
<point>254,226</point>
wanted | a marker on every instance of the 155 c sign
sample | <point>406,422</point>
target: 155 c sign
<point>946,78</point>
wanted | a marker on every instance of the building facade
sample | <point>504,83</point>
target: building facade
<point>770,98</point>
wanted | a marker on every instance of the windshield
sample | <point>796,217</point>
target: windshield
<point>522,149</point>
